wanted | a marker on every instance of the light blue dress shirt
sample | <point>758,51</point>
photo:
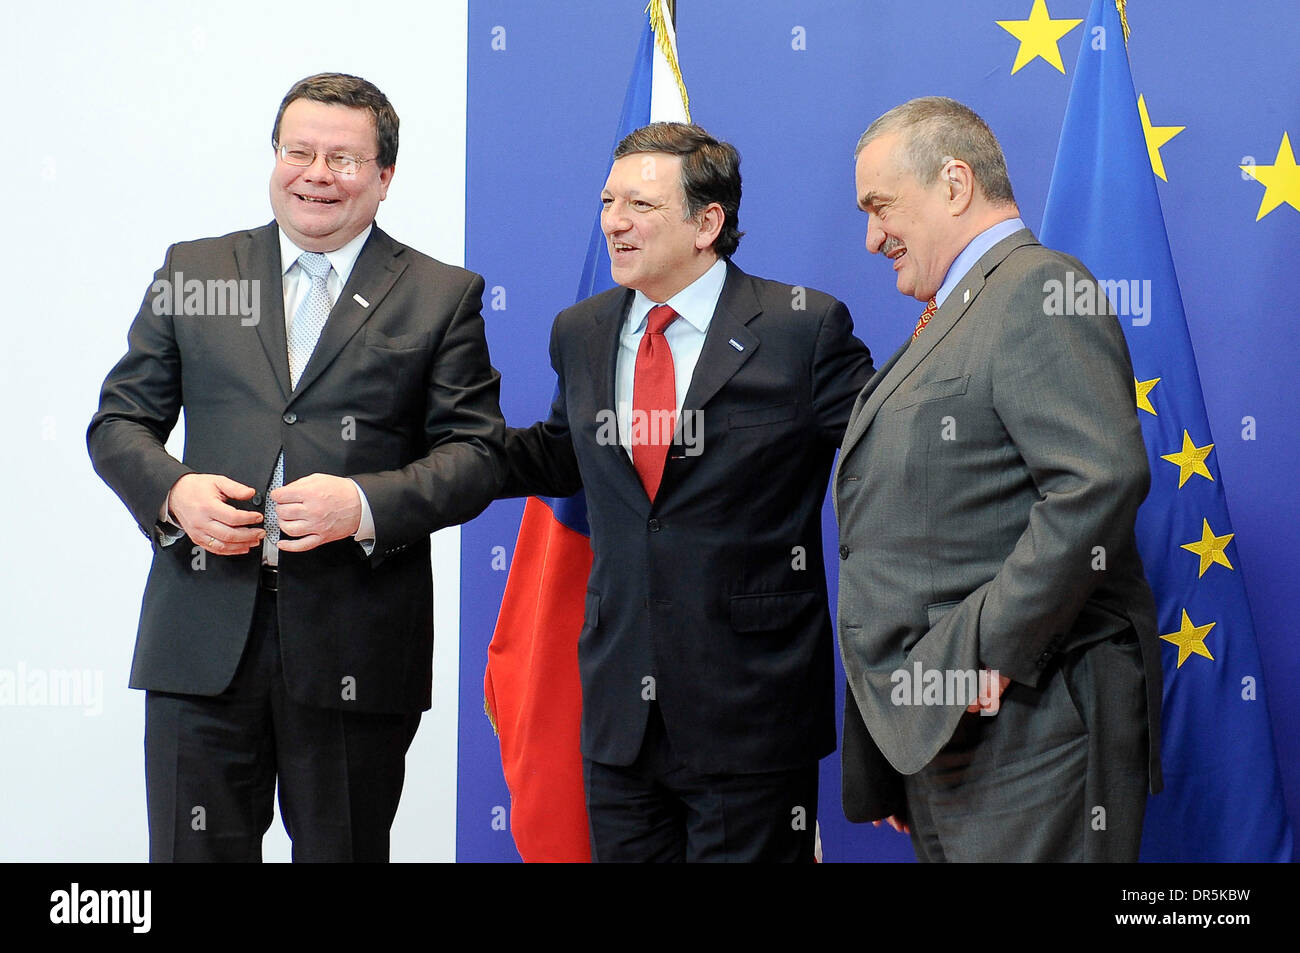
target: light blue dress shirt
<point>972,253</point>
<point>694,305</point>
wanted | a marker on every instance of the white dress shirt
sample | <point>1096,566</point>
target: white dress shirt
<point>694,305</point>
<point>295,284</point>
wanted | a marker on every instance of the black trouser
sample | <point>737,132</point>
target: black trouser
<point>212,764</point>
<point>657,809</point>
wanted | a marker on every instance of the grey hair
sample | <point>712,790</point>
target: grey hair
<point>935,129</point>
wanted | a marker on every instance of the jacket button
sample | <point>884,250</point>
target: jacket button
<point>1044,659</point>
<point>844,552</point>
<point>257,499</point>
<point>653,526</point>
<point>290,418</point>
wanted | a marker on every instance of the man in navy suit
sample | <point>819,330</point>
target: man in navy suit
<point>286,635</point>
<point>700,409</point>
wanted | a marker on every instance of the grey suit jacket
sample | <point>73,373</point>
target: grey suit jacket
<point>399,395</point>
<point>986,493</point>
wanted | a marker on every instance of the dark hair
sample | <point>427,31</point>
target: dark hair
<point>344,90</point>
<point>710,172</point>
<point>933,130</point>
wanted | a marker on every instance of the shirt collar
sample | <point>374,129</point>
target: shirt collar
<point>694,304</point>
<point>972,253</point>
<point>341,259</point>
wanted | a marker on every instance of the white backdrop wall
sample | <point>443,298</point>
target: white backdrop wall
<point>130,127</point>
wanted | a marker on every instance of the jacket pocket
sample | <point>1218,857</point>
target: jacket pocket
<point>933,390</point>
<point>759,416</point>
<point>934,614</point>
<point>937,610</point>
<point>400,342</point>
<point>1094,623</point>
<point>769,611</point>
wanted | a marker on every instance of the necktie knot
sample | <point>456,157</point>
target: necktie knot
<point>659,318</point>
<point>314,263</point>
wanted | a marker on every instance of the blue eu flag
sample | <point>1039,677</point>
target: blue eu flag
<point>1223,794</point>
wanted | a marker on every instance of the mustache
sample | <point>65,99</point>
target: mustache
<point>890,244</point>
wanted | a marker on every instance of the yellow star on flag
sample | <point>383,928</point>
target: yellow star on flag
<point>1143,389</point>
<point>1209,547</point>
<point>1156,137</point>
<point>1038,36</point>
<point>1191,459</point>
<point>1190,639</point>
<point>1281,180</point>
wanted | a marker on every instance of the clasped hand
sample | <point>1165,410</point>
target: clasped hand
<point>316,509</point>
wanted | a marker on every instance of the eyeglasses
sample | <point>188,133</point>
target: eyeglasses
<point>339,162</point>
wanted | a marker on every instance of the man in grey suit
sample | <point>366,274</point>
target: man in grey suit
<point>344,411</point>
<point>995,624</point>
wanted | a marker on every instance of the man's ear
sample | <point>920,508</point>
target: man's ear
<point>958,183</point>
<point>711,220</point>
<point>385,178</point>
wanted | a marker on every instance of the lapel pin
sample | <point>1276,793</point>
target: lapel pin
<point>365,304</point>
<point>965,299</point>
<point>736,344</point>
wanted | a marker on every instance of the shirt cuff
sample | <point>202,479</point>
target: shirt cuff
<point>365,534</point>
<point>168,530</point>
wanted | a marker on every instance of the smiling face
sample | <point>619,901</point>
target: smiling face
<point>909,223</point>
<point>653,247</point>
<point>318,209</point>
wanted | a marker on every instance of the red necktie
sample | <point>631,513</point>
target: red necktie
<point>924,319</point>
<point>654,400</point>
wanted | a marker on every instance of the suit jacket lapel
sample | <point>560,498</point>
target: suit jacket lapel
<point>257,257</point>
<point>954,307</point>
<point>854,432</point>
<point>728,343</point>
<point>377,268</point>
<point>911,355</point>
<point>603,342</point>
<point>602,345</point>
<point>602,361</point>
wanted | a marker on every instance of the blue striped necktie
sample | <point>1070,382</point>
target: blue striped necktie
<point>308,321</point>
